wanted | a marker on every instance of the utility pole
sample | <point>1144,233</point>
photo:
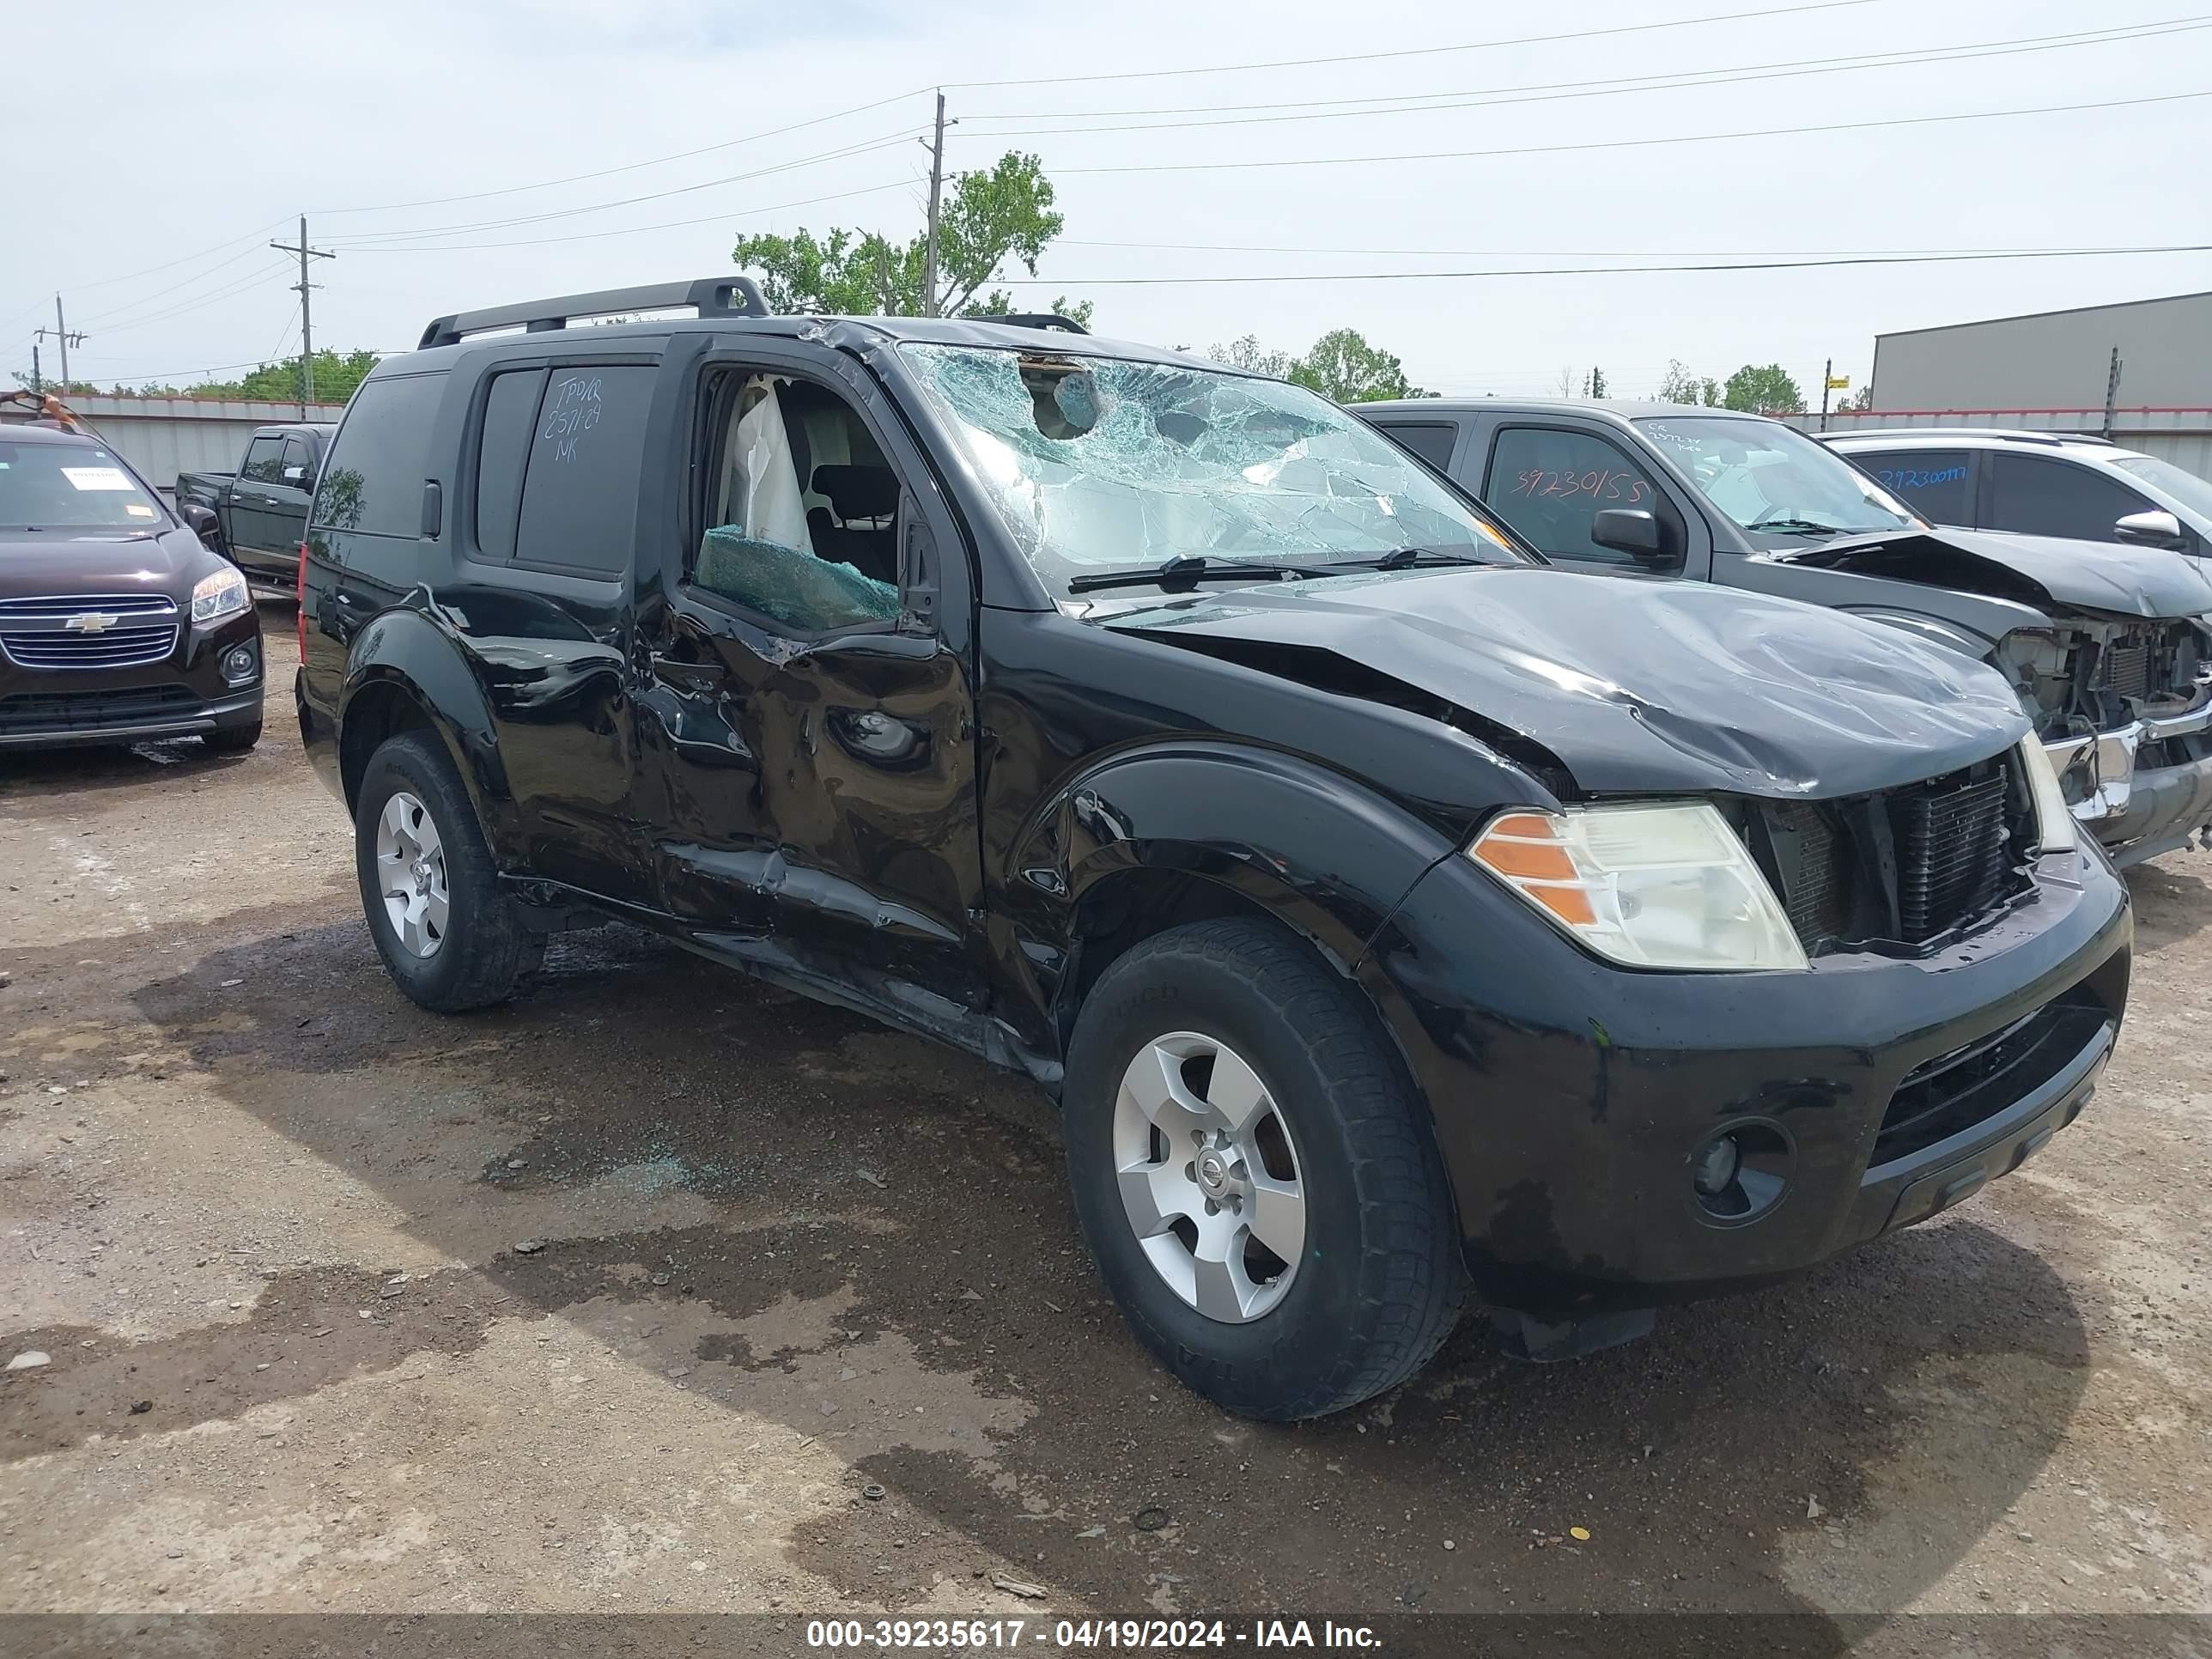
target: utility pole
<point>2112,392</point>
<point>306,324</point>
<point>60,331</point>
<point>1827,379</point>
<point>936,193</point>
<point>37,385</point>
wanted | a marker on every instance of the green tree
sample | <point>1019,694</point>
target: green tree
<point>1680,387</point>
<point>990,216</point>
<point>1768,391</point>
<point>1862,398</point>
<point>1343,367</point>
<point>1249,354</point>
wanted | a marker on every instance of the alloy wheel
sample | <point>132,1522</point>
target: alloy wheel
<point>1209,1176</point>
<point>411,874</point>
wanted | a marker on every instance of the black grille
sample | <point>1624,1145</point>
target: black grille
<point>35,712</point>
<point>116,648</point>
<point>115,630</point>
<point>1953,1091</point>
<point>123,605</point>
<point>1953,851</point>
<point>2127,669</point>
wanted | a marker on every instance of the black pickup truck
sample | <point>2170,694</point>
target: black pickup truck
<point>257,516</point>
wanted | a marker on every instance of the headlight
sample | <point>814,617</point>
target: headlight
<point>2054,824</point>
<point>1668,886</point>
<point>219,595</point>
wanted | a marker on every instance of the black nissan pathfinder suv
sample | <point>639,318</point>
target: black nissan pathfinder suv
<point>1389,912</point>
<point>116,625</point>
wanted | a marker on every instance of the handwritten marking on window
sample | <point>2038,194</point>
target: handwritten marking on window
<point>1600,483</point>
<point>573,410</point>
<point>1913,477</point>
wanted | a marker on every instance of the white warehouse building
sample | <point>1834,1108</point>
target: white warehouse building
<point>2139,372</point>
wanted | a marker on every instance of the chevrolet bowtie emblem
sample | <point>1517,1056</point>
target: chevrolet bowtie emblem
<point>91,622</point>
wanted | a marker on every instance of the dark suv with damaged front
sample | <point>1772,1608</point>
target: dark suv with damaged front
<point>1390,913</point>
<point>2107,646</point>
<point>116,625</point>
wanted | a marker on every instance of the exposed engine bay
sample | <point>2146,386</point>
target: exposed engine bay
<point>2112,697</point>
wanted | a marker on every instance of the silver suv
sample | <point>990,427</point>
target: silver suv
<point>2041,484</point>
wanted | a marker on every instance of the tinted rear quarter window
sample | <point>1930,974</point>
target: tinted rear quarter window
<point>1933,483</point>
<point>510,421</point>
<point>2040,495</point>
<point>372,485</point>
<point>580,487</point>
<point>1433,441</point>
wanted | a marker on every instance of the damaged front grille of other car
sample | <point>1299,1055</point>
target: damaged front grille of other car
<point>1904,868</point>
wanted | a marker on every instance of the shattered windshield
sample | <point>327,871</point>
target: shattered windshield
<point>1093,464</point>
<point>1773,480</point>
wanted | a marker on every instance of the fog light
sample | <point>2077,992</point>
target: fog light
<point>240,664</point>
<point>1717,1166</point>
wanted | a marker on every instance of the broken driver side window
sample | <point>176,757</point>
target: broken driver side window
<point>802,510</point>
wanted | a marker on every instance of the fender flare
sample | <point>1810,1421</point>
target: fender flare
<point>403,649</point>
<point>1327,858</point>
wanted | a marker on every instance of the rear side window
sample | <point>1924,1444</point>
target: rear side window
<point>2037,496</point>
<point>510,423</point>
<point>1549,484</point>
<point>580,478</point>
<point>372,485</point>
<point>264,459</point>
<point>1936,483</point>
<point>1433,441</point>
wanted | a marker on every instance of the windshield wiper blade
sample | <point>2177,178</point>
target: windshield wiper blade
<point>1405,558</point>
<point>1182,572</point>
<point>1785,526</point>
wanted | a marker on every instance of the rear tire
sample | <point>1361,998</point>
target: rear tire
<point>233,740</point>
<point>450,938</point>
<point>1233,1011</point>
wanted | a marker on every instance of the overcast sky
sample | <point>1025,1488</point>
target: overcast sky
<point>204,131</point>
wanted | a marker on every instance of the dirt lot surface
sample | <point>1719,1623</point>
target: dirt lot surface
<point>660,1290</point>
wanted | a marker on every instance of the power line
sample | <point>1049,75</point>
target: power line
<point>631,166</point>
<point>199,304</point>
<point>1612,86</point>
<point>1634,143</point>
<point>369,238</point>
<point>632,230</point>
<point>1335,58</point>
<point>1545,253</point>
<point>173,292</point>
<point>1592,271</point>
<point>171,264</point>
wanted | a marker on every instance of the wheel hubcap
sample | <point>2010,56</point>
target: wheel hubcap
<point>1209,1176</point>
<point>411,869</point>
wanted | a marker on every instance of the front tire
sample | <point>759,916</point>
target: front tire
<point>1256,1173</point>
<point>449,937</point>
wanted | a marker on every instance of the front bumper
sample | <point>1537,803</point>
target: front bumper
<point>2142,789</point>
<point>1572,1100</point>
<point>182,695</point>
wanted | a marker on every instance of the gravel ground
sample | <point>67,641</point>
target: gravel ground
<point>661,1289</point>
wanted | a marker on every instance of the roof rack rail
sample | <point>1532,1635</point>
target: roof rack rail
<point>710,296</point>
<point>1033,320</point>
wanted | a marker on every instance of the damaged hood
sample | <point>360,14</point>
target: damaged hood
<point>2044,571</point>
<point>1639,688</point>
